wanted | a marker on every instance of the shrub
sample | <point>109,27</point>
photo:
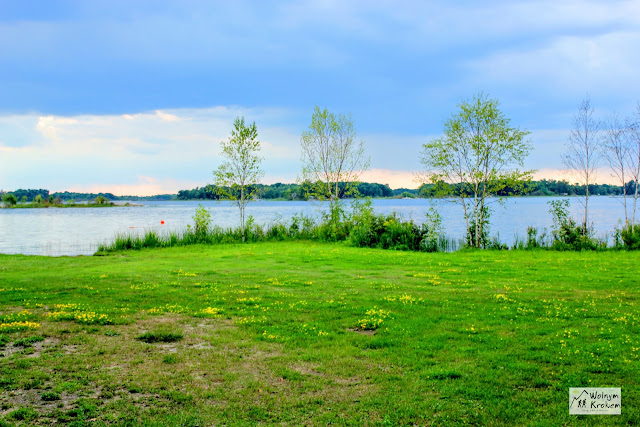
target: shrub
<point>50,396</point>
<point>366,229</point>
<point>202,222</point>
<point>630,236</point>
<point>160,336</point>
<point>24,414</point>
<point>567,235</point>
<point>434,234</point>
<point>9,199</point>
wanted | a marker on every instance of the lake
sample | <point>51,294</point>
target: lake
<point>78,231</point>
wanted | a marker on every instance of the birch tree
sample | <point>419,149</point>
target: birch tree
<point>234,179</point>
<point>584,152</point>
<point>634,159</point>
<point>478,157</point>
<point>617,136</point>
<point>332,157</point>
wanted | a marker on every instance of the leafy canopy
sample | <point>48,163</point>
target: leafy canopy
<point>477,157</point>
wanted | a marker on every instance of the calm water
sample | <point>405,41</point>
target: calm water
<point>79,231</point>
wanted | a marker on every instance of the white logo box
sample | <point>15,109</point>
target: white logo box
<point>595,401</point>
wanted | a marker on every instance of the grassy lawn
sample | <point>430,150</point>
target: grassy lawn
<point>310,333</point>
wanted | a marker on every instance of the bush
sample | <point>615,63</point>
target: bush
<point>630,236</point>
<point>24,414</point>
<point>160,336</point>
<point>567,235</point>
<point>366,229</point>
<point>50,396</point>
<point>202,221</point>
<point>9,199</point>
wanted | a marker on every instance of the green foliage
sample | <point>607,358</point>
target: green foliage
<point>9,199</point>
<point>24,414</point>
<point>331,156</point>
<point>100,200</point>
<point>535,240</point>
<point>366,229</point>
<point>477,158</point>
<point>567,235</point>
<point>28,342</point>
<point>160,335</point>
<point>50,396</point>
<point>202,221</point>
<point>435,232</point>
<point>478,231</point>
<point>235,177</point>
<point>630,236</point>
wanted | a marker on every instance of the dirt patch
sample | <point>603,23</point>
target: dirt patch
<point>70,348</point>
<point>20,398</point>
<point>369,332</point>
<point>33,350</point>
<point>306,369</point>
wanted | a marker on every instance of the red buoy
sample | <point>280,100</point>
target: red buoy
<point>162,222</point>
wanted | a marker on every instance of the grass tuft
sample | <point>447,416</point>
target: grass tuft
<point>160,336</point>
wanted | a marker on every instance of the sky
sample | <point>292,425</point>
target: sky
<point>134,97</point>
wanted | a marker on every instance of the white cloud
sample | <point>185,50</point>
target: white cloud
<point>142,153</point>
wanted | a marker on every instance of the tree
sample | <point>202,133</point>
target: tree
<point>474,160</point>
<point>9,199</point>
<point>584,152</point>
<point>234,178</point>
<point>617,151</point>
<point>332,158</point>
<point>634,159</point>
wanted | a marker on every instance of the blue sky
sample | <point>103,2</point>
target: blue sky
<point>135,96</point>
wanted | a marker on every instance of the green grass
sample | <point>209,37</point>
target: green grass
<point>160,336</point>
<point>310,333</point>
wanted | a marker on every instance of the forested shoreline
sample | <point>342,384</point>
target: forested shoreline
<point>280,191</point>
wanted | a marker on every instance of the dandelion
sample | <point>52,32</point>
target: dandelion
<point>18,326</point>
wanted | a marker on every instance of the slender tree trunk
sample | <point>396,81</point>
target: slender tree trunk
<point>466,213</point>
<point>586,210</point>
<point>242,211</point>
<point>624,200</point>
<point>635,204</point>
<point>477,224</point>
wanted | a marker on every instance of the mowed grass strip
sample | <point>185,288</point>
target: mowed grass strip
<point>311,333</point>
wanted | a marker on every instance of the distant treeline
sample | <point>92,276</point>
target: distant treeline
<point>297,191</point>
<point>281,191</point>
<point>542,188</point>
<point>31,194</point>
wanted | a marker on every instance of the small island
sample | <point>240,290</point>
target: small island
<point>10,201</point>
